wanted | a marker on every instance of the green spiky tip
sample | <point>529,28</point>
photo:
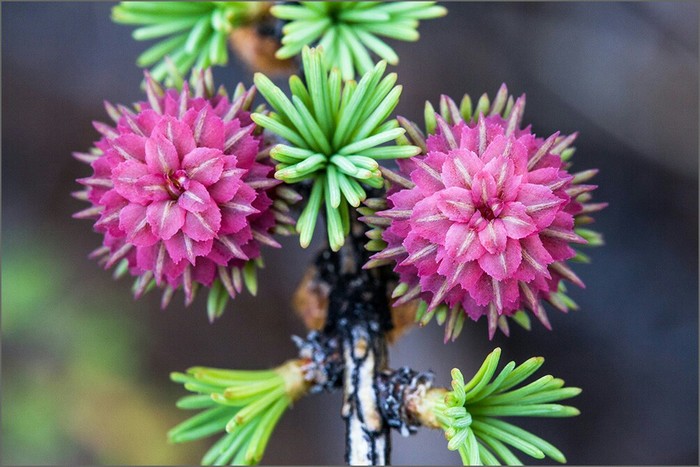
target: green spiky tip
<point>349,31</point>
<point>245,405</point>
<point>470,413</point>
<point>229,283</point>
<point>333,130</point>
<point>189,34</point>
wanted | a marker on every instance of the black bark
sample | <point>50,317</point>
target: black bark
<point>358,317</point>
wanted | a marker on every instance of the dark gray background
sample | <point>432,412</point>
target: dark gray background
<point>623,74</point>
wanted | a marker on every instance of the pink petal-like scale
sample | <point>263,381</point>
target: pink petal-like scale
<point>178,190</point>
<point>478,221</point>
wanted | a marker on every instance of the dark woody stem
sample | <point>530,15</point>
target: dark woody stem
<point>350,352</point>
<point>358,317</point>
<point>367,435</point>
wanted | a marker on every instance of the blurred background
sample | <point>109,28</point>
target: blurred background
<point>85,367</point>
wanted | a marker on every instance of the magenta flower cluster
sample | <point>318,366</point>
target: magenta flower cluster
<point>488,221</point>
<point>177,188</point>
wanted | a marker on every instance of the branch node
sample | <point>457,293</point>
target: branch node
<point>398,389</point>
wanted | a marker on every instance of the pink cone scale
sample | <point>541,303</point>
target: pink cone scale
<point>483,221</point>
<point>177,190</point>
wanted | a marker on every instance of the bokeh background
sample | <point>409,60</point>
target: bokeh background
<point>85,367</point>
